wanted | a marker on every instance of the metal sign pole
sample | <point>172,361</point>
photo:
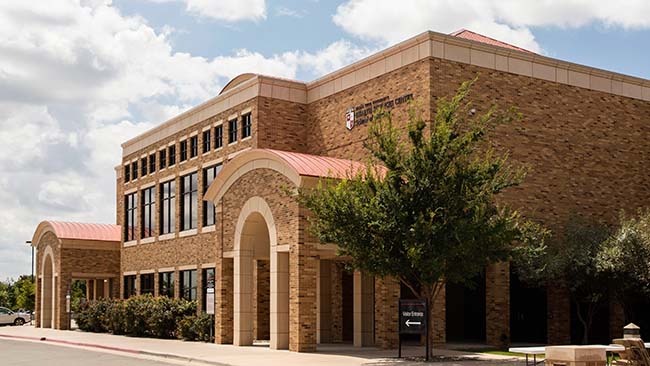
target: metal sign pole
<point>399,333</point>
<point>426,358</point>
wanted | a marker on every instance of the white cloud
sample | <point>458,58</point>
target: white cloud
<point>227,10</point>
<point>506,20</point>
<point>283,11</point>
<point>77,80</point>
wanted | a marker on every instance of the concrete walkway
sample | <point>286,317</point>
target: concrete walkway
<point>215,354</point>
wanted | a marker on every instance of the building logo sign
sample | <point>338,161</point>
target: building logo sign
<point>349,118</point>
<point>365,112</point>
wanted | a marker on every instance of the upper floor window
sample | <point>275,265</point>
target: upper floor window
<point>143,166</point>
<point>134,170</point>
<point>168,207</point>
<point>127,173</point>
<point>129,286</point>
<point>208,207</point>
<point>188,284</point>
<point>172,155</point>
<point>189,201</point>
<point>246,122</point>
<point>232,131</point>
<point>206,141</point>
<point>166,284</point>
<point>152,163</point>
<point>183,150</point>
<point>194,146</point>
<point>218,137</point>
<point>148,211</point>
<point>163,158</point>
<point>146,283</point>
<point>130,217</point>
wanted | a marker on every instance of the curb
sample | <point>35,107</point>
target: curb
<point>117,349</point>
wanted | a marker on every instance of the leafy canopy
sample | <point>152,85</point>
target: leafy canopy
<point>424,210</point>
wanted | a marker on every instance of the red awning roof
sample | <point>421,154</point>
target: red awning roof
<point>319,166</point>
<point>85,231</point>
<point>472,36</point>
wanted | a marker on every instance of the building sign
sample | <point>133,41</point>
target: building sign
<point>365,112</point>
<point>412,316</point>
<point>209,301</point>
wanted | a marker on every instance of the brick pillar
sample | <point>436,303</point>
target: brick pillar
<point>115,287</point>
<point>261,302</point>
<point>438,316</point>
<point>559,315</point>
<point>156,284</point>
<point>363,309</point>
<point>336,313</point>
<point>387,292</point>
<point>325,302</point>
<point>37,301</point>
<point>64,283</point>
<point>497,304</point>
<point>302,299</point>
<point>616,319</point>
<point>199,288</point>
<point>224,301</point>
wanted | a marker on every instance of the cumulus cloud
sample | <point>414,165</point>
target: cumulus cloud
<point>506,20</point>
<point>227,10</point>
<point>79,78</point>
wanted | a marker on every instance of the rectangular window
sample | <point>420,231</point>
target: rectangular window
<point>246,125</point>
<point>166,284</point>
<point>208,207</point>
<point>129,286</point>
<point>127,173</point>
<point>218,137</point>
<point>152,163</point>
<point>208,282</point>
<point>168,207</point>
<point>130,216</point>
<point>183,150</point>
<point>189,201</point>
<point>148,212</point>
<point>163,158</point>
<point>232,131</point>
<point>206,141</point>
<point>143,166</point>
<point>194,146</point>
<point>172,155</point>
<point>146,284</point>
<point>188,284</point>
<point>134,170</point>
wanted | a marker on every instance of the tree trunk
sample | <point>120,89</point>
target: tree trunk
<point>430,295</point>
<point>585,326</point>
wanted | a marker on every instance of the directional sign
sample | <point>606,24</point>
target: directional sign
<point>412,316</point>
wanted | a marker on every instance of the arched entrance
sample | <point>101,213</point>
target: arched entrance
<point>48,303</point>
<point>261,273</point>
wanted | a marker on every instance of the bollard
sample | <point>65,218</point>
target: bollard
<point>631,331</point>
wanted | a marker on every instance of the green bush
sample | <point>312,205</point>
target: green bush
<point>137,316</point>
<point>195,328</point>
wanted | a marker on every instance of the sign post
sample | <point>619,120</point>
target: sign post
<point>68,310</point>
<point>209,302</point>
<point>413,319</point>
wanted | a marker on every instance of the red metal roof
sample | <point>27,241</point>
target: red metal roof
<point>473,36</point>
<point>319,166</point>
<point>86,231</point>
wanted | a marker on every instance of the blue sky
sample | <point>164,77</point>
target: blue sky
<point>79,77</point>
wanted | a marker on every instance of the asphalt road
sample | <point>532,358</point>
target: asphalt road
<point>20,353</point>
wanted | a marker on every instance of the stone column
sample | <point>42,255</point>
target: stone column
<point>243,292</point>
<point>37,299</point>
<point>497,304</point>
<point>279,311</point>
<point>224,301</point>
<point>261,288</point>
<point>559,315</point>
<point>438,316</point>
<point>387,293</point>
<point>363,309</point>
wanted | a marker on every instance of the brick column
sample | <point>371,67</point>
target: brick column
<point>438,316</point>
<point>336,313</point>
<point>325,302</point>
<point>559,315</point>
<point>497,304</point>
<point>37,300</point>
<point>302,299</point>
<point>63,285</point>
<point>387,292</point>
<point>224,301</point>
<point>261,302</point>
<point>616,319</point>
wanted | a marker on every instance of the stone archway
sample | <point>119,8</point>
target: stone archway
<point>48,288</point>
<point>256,240</point>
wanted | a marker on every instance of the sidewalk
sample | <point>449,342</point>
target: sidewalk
<point>216,354</point>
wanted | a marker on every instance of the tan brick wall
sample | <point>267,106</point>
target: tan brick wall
<point>282,125</point>
<point>559,315</point>
<point>387,294</point>
<point>497,299</point>
<point>262,296</point>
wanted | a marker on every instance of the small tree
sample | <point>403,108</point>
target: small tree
<point>571,261</point>
<point>430,216</point>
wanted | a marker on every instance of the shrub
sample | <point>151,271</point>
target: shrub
<point>195,328</point>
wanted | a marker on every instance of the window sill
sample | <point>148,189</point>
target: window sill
<point>208,229</point>
<point>246,138</point>
<point>148,240</point>
<point>194,158</point>
<point>189,232</point>
<point>233,143</point>
<point>166,236</point>
<point>130,243</point>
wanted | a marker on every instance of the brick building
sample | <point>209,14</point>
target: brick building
<point>207,193</point>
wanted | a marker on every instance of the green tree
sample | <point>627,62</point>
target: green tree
<point>23,291</point>
<point>572,261</point>
<point>424,211</point>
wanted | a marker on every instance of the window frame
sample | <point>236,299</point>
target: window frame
<point>183,153</point>
<point>207,141</point>
<point>127,173</point>
<point>130,286</point>
<point>130,216</point>
<point>204,285</point>
<point>143,166</point>
<point>188,292</point>
<point>189,196</point>
<point>232,131</point>
<point>162,159</point>
<point>148,211</point>
<point>207,204</point>
<point>166,290</point>
<point>218,137</point>
<point>167,224</point>
<point>171,152</point>
<point>147,290</point>
<point>152,163</point>
<point>194,146</point>
<point>134,170</point>
<point>246,125</point>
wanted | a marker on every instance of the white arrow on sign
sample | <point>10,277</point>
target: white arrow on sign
<point>409,322</point>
